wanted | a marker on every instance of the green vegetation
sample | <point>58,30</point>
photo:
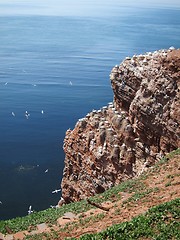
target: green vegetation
<point>160,223</point>
<point>164,160</point>
<point>48,236</point>
<point>139,195</point>
<point>129,186</point>
<point>49,216</point>
<point>169,156</point>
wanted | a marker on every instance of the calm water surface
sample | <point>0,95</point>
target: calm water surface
<point>60,65</point>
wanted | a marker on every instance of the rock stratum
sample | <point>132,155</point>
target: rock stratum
<point>126,137</point>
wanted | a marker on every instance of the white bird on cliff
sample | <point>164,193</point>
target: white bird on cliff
<point>13,114</point>
<point>42,111</point>
<point>62,199</point>
<point>51,206</point>
<point>56,191</point>
<point>30,210</point>
<point>0,202</point>
<point>46,170</point>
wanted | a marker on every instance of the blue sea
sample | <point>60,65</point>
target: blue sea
<point>57,69</point>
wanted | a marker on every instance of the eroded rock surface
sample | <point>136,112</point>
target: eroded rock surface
<point>124,138</point>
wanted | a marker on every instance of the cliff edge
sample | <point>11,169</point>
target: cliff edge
<point>124,138</point>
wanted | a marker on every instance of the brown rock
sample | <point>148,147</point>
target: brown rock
<point>20,235</point>
<point>123,139</point>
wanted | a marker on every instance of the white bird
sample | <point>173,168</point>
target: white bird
<point>42,111</point>
<point>171,48</point>
<point>51,206</point>
<point>30,210</point>
<point>70,83</point>
<point>46,170</point>
<point>6,83</point>
<point>0,202</point>
<point>27,114</point>
<point>56,191</point>
<point>13,114</point>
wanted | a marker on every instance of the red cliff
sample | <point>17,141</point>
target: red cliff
<point>124,138</point>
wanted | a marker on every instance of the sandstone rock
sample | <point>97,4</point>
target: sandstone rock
<point>69,215</point>
<point>42,227</point>
<point>2,236</point>
<point>9,237</point>
<point>20,235</point>
<point>123,139</point>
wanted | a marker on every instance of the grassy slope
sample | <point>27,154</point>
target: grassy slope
<point>160,222</point>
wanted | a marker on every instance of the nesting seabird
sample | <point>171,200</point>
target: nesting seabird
<point>116,145</point>
<point>51,206</point>
<point>30,210</point>
<point>111,105</point>
<point>13,114</point>
<point>62,199</point>
<point>46,170</point>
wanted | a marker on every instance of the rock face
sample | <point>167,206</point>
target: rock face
<point>124,138</point>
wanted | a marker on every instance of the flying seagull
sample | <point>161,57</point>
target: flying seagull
<point>56,191</point>
<point>27,114</point>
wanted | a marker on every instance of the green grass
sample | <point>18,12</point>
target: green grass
<point>139,195</point>
<point>48,236</point>
<point>169,156</point>
<point>49,216</point>
<point>159,223</point>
